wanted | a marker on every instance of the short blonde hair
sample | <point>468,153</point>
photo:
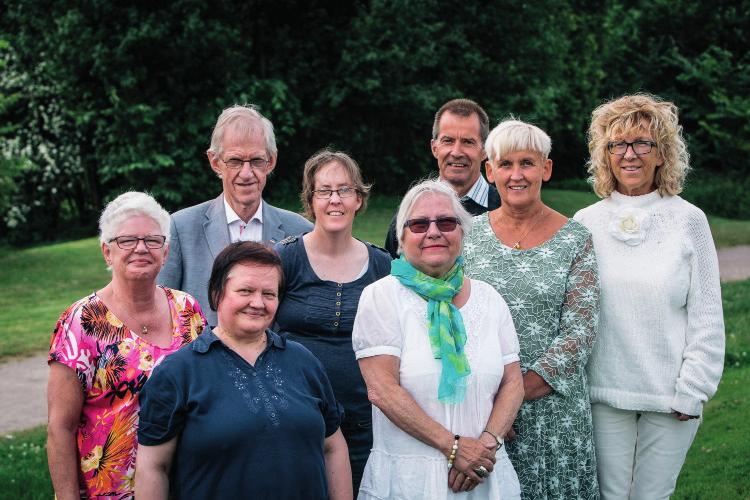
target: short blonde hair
<point>630,113</point>
<point>511,135</point>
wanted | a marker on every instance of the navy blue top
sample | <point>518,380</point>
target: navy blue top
<point>244,431</point>
<point>320,315</point>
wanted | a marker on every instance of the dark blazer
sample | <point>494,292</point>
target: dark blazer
<point>200,232</point>
<point>474,208</point>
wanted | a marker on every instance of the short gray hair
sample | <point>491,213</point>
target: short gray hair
<point>512,135</point>
<point>430,186</point>
<point>242,119</point>
<point>127,205</point>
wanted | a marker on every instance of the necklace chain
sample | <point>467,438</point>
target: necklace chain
<point>537,218</point>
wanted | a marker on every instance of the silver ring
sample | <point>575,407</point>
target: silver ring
<point>482,471</point>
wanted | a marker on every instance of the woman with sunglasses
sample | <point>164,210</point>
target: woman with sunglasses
<point>439,355</point>
<point>660,353</point>
<point>326,270</point>
<point>543,265</point>
<point>105,346</point>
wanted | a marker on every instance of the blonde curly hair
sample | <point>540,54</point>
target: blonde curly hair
<point>630,113</point>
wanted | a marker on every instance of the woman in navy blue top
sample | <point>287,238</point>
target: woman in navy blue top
<point>327,269</point>
<point>243,412</point>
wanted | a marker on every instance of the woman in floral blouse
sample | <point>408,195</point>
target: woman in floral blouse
<point>543,265</point>
<point>104,348</point>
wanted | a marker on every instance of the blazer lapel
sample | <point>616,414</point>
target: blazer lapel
<point>272,232</point>
<point>215,226</point>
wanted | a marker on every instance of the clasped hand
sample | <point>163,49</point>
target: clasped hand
<point>472,453</point>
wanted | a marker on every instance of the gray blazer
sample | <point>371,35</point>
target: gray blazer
<point>200,232</point>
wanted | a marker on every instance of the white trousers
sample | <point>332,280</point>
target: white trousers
<point>639,454</point>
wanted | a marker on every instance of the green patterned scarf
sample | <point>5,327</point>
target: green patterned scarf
<point>445,324</point>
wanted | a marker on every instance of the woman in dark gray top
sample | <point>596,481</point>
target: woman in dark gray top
<point>327,269</point>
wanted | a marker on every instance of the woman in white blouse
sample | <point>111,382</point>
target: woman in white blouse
<point>660,351</point>
<point>439,355</point>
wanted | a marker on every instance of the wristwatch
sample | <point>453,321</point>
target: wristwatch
<point>498,439</point>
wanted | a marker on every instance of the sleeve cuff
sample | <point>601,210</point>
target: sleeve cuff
<point>560,385</point>
<point>378,350</point>
<point>687,405</point>
<point>510,358</point>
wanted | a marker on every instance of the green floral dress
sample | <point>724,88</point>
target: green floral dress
<point>553,294</point>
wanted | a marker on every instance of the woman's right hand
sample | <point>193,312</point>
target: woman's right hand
<point>471,454</point>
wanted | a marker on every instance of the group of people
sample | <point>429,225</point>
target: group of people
<point>241,349</point>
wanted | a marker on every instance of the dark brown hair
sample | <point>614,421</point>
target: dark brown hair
<point>465,108</point>
<point>240,252</point>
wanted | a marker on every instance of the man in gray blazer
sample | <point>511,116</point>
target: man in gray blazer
<point>242,153</point>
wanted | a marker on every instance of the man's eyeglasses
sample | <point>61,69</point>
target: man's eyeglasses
<point>343,192</point>
<point>639,147</point>
<point>444,224</point>
<point>130,242</point>
<point>238,163</point>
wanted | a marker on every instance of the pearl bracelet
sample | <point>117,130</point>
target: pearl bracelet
<point>454,450</point>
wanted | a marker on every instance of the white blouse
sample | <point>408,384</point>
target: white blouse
<point>392,320</point>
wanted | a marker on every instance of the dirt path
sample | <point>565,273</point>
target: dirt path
<point>734,263</point>
<point>23,382</point>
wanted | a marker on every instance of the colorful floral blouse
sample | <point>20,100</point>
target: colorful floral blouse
<point>112,363</point>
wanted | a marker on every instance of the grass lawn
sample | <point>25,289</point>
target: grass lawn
<point>716,467</point>
<point>23,467</point>
<point>41,282</point>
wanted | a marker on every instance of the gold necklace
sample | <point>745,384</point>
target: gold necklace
<point>537,218</point>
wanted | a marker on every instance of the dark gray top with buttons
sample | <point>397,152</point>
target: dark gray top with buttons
<point>320,314</point>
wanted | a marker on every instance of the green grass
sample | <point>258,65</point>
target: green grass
<point>23,465</point>
<point>729,232</point>
<point>716,466</point>
<point>568,202</point>
<point>38,284</point>
<point>41,282</point>
<point>736,299</point>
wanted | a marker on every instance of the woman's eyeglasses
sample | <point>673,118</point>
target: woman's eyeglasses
<point>343,192</point>
<point>130,242</point>
<point>639,147</point>
<point>444,224</point>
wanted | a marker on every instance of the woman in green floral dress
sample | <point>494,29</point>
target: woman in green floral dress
<point>543,265</point>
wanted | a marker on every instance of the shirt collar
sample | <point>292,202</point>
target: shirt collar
<point>203,343</point>
<point>479,191</point>
<point>232,215</point>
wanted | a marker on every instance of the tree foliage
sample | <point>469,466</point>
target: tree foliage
<point>100,96</point>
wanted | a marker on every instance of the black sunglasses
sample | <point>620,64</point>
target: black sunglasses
<point>444,224</point>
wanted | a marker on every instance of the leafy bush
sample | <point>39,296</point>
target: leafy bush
<point>722,195</point>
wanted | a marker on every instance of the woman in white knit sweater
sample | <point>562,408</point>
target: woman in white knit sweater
<point>660,351</point>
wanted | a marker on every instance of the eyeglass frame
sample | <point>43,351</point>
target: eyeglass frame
<point>258,166</point>
<point>351,191</point>
<point>453,220</point>
<point>117,239</point>
<point>611,144</point>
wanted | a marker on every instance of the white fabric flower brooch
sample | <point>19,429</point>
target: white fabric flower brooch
<point>630,225</point>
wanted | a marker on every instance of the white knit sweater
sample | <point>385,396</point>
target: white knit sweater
<point>661,333</point>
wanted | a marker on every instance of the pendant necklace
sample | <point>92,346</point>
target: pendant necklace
<point>144,330</point>
<point>537,218</point>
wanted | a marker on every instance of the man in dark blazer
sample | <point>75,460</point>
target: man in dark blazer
<point>242,153</point>
<point>458,133</point>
